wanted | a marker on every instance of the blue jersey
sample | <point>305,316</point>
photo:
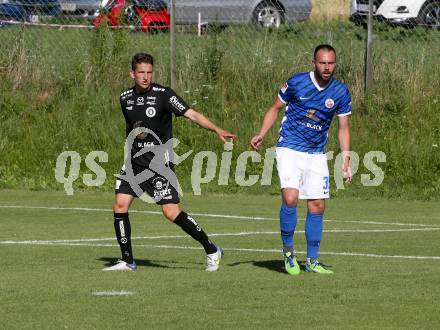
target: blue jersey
<point>310,110</point>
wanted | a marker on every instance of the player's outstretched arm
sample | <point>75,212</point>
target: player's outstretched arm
<point>269,119</point>
<point>344,144</point>
<point>202,121</point>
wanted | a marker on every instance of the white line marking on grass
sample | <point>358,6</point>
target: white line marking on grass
<point>178,247</point>
<point>347,254</point>
<point>351,254</point>
<point>72,241</point>
<point>377,230</point>
<point>208,215</point>
<point>61,243</point>
<point>113,293</point>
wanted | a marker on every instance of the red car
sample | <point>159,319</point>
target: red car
<point>148,15</point>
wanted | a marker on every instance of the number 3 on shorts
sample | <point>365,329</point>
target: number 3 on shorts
<point>326,183</point>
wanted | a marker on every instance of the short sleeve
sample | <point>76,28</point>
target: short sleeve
<point>344,108</point>
<point>175,103</point>
<point>287,92</point>
<point>123,108</point>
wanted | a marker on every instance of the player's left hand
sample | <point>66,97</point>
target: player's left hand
<point>226,136</point>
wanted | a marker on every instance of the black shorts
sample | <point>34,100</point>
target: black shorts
<point>157,187</point>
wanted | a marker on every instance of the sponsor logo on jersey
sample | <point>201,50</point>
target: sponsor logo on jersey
<point>329,103</point>
<point>129,108</point>
<point>140,100</point>
<point>150,112</point>
<point>175,102</point>
<point>314,126</point>
<point>158,89</point>
<point>145,144</point>
<point>284,87</point>
<point>311,115</point>
<point>130,102</point>
<point>151,100</point>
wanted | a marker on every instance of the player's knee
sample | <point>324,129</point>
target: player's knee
<point>317,208</point>
<point>170,213</point>
<point>120,207</point>
<point>290,201</point>
<point>290,197</point>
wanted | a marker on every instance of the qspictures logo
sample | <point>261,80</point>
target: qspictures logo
<point>207,166</point>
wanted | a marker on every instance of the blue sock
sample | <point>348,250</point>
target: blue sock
<point>288,220</point>
<point>313,234</point>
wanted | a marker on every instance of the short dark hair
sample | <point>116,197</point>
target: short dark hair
<point>141,58</point>
<point>326,47</point>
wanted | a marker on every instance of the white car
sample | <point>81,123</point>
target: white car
<point>407,12</point>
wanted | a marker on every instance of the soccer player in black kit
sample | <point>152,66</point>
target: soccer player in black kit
<point>148,108</point>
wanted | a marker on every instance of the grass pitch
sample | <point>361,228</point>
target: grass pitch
<point>385,255</point>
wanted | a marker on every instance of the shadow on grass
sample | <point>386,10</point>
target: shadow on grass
<point>147,263</point>
<point>274,265</point>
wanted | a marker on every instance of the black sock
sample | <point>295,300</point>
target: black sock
<point>190,226</point>
<point>123,235</point>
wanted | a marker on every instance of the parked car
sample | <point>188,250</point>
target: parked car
<point>269,13</point>
<point>21,10</point>
<point>402,12</point>
<point>147,15</point>
<point>12,11</point>
<point>83,8</point>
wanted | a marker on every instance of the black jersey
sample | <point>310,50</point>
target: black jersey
<point>152,110</point>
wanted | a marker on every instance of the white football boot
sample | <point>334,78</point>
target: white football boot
<point>213,260</point>
<point>121,265</point>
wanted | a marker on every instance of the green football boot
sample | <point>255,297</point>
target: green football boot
<point>317,267</point>
<point>290,263</point>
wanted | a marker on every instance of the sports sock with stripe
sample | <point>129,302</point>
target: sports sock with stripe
<point>123,235</point>
<point>192,228</point>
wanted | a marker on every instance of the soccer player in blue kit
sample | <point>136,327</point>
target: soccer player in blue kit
<point>311,99</point>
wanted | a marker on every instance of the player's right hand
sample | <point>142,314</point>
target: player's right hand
<point>256,141</point>
<point>346,171</point>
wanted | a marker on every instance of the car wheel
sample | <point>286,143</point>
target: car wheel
<point>268,14</point>
<point>429,15</point>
